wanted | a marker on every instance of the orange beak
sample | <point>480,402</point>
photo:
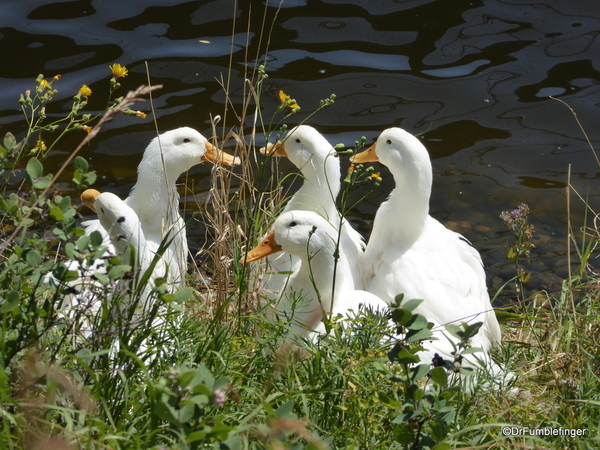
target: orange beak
<point>369,155</point>
<point>268,246</point>
<point>277,149</point>
<point>89,198</point>
<point>214,155</point>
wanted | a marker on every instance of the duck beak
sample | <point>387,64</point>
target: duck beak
<point>268,246</point>
<point>89,198</point>
<point>369,155</point>
<point>214,155</point>
<point>277,149</point>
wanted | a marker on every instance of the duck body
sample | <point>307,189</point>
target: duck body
<point>411,253</point>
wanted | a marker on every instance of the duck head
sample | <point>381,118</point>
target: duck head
<point>299,233</point>
<point>405,156</point>
<point>178,151</point>
<point>307,149</point>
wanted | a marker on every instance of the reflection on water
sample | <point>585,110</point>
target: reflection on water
<point>472,78</point>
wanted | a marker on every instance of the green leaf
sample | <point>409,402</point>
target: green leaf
<point>186,378</point>
<point>420,371</point>
<point>12,300</point>
<point>168,298</point>
<point>10,141</point>
<point>442,446</point>
<point>471,350</point>
<point>96,238</point>
<point>454,330</point>
<point>83,242</point>
<point>387,400</point>
<point>103,279</point>
<point>186,412</point>
<point>418,394</point>
<point>404,357</point>
<point>418,322</point>
<point>285,410</point>
<point>64,203</point>
<point>472,330</point>
<point>166,412</point>
<point>439,376</point>
<point>77,177</point>
<point>81,164</point>
<point>70,251</point>
<point>57,214</point>
<point>411,305</point>
<point>232,443</point>
<point>401,316</point>
<point>33,258</point>
<point>117,272</point>
<point>420,335</point>
<point>206,376</point>
<point>91,178</point>
<point>183,295</point>
<point>43,183</point>
<point>200,400</point>
<point>34,169</point>
<point>196,436</point>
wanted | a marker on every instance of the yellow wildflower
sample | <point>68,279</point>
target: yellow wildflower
<point>287,100</point>
<point>43,83</point>
<point>511,253</point>
<point>87,128</point>
<point>376,175</point>
<point>56,77</point>
<point>118,70</point>
<point>351,168</point>
<point>140,114</point>
<point>40,145</point>
<point>85,91</point>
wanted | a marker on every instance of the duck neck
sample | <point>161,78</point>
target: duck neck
<point>402,218</point>
<point>153,196</point>
<point>317,271</point>
<point>319,192</point>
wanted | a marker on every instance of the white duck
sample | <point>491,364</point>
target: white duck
<point>310,152</point>
<point>310,293</point>
<point>412,253</point>
<point>313,290</point>
<point>155,200</point>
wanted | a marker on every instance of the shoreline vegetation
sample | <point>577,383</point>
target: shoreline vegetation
<point>214,373</point>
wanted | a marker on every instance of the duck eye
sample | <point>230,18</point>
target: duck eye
<point>186,140</point>
<point>293,224</point>
<point>297,141</point>
<point>388,142</point>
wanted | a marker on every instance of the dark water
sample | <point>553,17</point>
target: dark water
<point>472,77</point>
